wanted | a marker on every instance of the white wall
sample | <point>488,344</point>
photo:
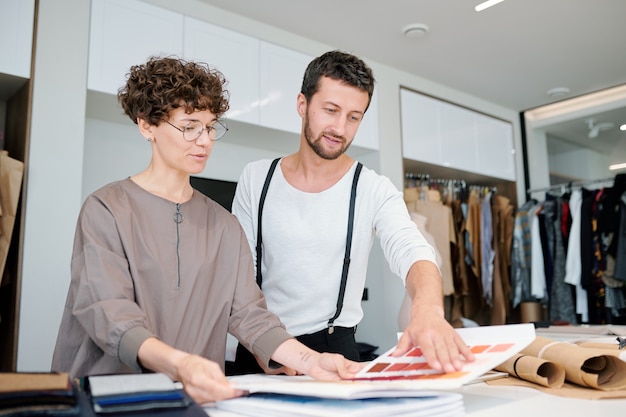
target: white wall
<point>52,189</point>
<point>68,154</point>
<point>575,162</point>
<point>114,151</point>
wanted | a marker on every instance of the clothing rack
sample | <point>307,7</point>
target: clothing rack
<point>425,178</point>
<point>418,179</point>
<point>570,184</point>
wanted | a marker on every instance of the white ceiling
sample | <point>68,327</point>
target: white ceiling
<point>510,54</point>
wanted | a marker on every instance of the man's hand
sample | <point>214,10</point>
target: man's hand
<point>442,347</point>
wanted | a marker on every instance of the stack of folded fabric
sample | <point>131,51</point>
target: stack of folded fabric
<point>30,394</point>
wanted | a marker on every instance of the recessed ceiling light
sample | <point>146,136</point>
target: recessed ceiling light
<point>486,4</point>
<point>558,92</point>
<point>616,167</point>
<point>415,30</point>
<point>622,127</point>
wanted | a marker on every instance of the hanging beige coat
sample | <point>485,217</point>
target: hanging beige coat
<point>11,173</point>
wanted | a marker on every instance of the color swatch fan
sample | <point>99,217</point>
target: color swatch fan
<point>491,346</point>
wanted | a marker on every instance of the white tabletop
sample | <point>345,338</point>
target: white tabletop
<point>482,400</point>
<point>511,401</point>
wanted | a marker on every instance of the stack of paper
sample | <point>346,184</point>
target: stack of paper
<point>134,392</point>
<point>301,396</point>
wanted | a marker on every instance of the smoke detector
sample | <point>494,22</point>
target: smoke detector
<point>595,129</point>
<point>415,30</point>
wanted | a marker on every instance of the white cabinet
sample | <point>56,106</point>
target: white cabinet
<point>236,56</point>
<point>16,36</point>
<point>444,134</point>
<point>281,73</point>
<point>263,79</point>
<point>125,33</point>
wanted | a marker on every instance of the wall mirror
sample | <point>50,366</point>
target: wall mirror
<point>577,140</point>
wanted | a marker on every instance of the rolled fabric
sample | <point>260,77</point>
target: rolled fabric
<point>533,369</point>
<point>583,366</point>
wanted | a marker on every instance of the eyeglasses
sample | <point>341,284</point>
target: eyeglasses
<point>194,129</point>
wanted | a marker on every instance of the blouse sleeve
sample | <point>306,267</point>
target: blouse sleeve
<point>104,302</point>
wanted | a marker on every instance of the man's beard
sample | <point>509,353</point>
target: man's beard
<point>317,146</point>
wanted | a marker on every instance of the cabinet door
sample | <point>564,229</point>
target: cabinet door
<point>236,56</point>
<point>281,75</point>
<point>125,33</point>
<point>16,34</point>
<point>457,135</point>
<point>441,133</point>
<point>420,128</point>
<point>368,135</point>
<point>496,151</point>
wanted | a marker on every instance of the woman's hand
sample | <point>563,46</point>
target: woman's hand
<point>204,380</point>
<point>333,366</point>
<point>322,366</point>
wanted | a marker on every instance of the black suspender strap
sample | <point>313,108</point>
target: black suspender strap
<point>259,235</point>
<point>346,260</point>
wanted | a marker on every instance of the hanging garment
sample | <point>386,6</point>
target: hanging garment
<point>486,239</point>
<point>561,296</point>
<point>615,300</point>
<point>521,250</point>
<point>591,256</point>
<point>11,173</point>
<point>502,238</point>
<point>441,226</point>
<point>573,263</point>
<point>620,235</point>
<point>464,301</point>
<point>404,315</point>
<point>537,268</point>
<point>473,227</point>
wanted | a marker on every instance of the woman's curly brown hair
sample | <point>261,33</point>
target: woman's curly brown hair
<point>160,85</point>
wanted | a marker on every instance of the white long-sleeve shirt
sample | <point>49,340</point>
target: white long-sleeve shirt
<point>304,238</point>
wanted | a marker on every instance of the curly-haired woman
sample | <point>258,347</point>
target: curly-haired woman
<point>161,273</point>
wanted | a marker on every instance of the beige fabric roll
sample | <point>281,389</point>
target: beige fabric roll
<point>532,369</point>
<point>583,366</point>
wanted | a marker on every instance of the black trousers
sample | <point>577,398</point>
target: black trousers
<point>341,341</point>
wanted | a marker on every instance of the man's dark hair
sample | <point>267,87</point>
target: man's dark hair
<point>340,66</point>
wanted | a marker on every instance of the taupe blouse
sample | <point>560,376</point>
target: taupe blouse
<point>144,266</point>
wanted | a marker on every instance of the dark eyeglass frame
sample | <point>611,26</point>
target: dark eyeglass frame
<point>214,138</point>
